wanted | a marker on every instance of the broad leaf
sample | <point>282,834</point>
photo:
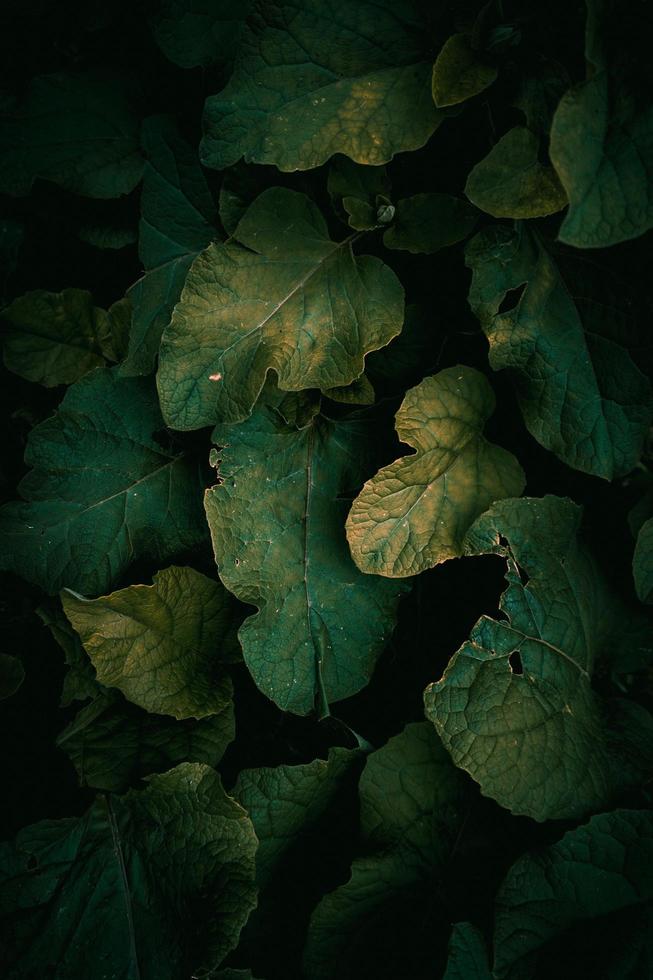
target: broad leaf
<point>643,562</point>
<point>515,706</point>
<point>157,883</point>
<point>102,492</point>
<point>412,804</point>
<point>459,73</point>
<point>177,222</point>
<point>353,82</point>
<point>468,959</point>
<point>79,131</point>
<point>113,744</point>
<point>56,338</point>
<point>580,393</point>
<point>276,518</point>
<point>163,645</point>
<point>511,182</point>
<point>194,33</point>
<point>287,299</point>
<point>602,132</point>
<point>582,907</point>
<point>429,222</point>
<point>415,512</point>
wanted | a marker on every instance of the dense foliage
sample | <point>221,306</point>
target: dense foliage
<point>327,542</point>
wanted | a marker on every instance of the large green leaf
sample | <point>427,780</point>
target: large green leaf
<point>353,79</point>
<point>56,338</point>
<point>113,744</point>
<point>580,393</point>
<point>157,883</point>
<point>412,805</point>
<point>415,512</point>
<point>102,492</point>
<point>79,131</point>
<point>511,182</point>
<point>199,32</point>
<point>276,518</point>
<point>177,222</point>
<point>163,645</point>
<point>643,562</point>
<point>515,706</point>
<point>582,907</point>
<point>429,222</point>
<point>602,132</point>
<point>286,298</point>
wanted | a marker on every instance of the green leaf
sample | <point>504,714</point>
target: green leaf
<point>515,706</point>
<point>113,744</point>
<point>356,192</point>
<point>286,299</point>
<point>276,518</point>
<point>459,73</point>
<point>415,512</point>
<point>102,492</point>
<point>584,902</point>
<point>468,958</point>
<point>79,681</point>
<point>157,883</point>
<point>161,644</point>
<point>353,82</point>
<point>12,675</point>
<point>580,393</point>
<point>177,222</point>
<point>602,132</point>
<point>412,807</point>
<point>643,562</point>
<point>286,801</point>
<point>79,131</point>
<point>511,181</point>
<point>56,338</point>
<point>429,222</point>
<point>194,33</point>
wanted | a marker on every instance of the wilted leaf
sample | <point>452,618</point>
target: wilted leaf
<point>459,73</point>
<point>287,299</point>
<point>415,512</point>
<point>276,519</point>
<point>429,222</point>
<point>157,883</point>
<point>102,491</point>
<point>353,82</point>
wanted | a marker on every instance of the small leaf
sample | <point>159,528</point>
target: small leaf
<point>511,182</point>
<point>458,73</point>
<point>415,512</point>
<point>468,959</point>
<point>429,222</point>
<point>354,190</point>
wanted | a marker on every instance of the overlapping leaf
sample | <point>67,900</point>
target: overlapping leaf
<point>459,72</point>
<point>276,518</point>
<point>415,512</point>
<point>156,883</point>
<point>515,706</point>
<point>580,392</point>
<point>102,492</point>
<point>350,78</point>
<point>286,298</point>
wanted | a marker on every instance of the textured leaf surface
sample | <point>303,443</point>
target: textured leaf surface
<point>429,222</point>
<point>79,131</point>
<point>194,33</point>
<point>345,78</point>
<point>580,393</point>
<point>284,802</point>
<point>415,512</point>
<point>157,883</point>
<point>276,519</point>
<point>643,562</point>
<point>583,882</point>
<point>511,182</point>
<point>287,299</point>
<point>602,132</point>
<point>515,706</point>
<point>468,958</point>
<point>412,803</point>
<point>459,73</point>
<point>112,743</point>
<point>177,222</point>
<point>56,338</point>
<point>102,490</point>
<point>161,644</point>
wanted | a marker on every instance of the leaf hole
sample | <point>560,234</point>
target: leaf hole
<point>514,660</point>
<point>511,299</point>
